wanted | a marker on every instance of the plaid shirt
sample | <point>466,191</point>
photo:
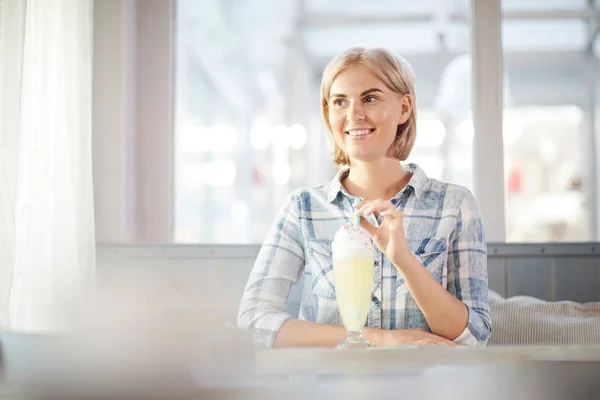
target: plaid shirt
<point>443,229</point>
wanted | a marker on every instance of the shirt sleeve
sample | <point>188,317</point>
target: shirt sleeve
<point>467,272</point>
<point>277,268</point>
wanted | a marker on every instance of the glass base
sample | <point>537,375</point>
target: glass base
<point>353,340</point>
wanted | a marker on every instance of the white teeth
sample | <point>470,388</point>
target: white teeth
<point>359,132</point>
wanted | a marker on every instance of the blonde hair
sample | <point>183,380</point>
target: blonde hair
<point>395,72</point>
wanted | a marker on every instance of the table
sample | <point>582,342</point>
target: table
<point>47,368</point>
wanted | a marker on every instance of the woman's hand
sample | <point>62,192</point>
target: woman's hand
<point>389,237</point>
<point>404,337</point>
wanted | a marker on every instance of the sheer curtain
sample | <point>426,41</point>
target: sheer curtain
<point>47,244</point>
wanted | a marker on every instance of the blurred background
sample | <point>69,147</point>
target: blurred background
<point>246,127</point>
<point>204,116</point>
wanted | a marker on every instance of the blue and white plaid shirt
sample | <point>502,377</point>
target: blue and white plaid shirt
<point>443,229</point>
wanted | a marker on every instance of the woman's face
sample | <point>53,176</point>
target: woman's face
<point>364,114</point>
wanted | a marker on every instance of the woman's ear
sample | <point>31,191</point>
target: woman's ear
<point>406,105</point>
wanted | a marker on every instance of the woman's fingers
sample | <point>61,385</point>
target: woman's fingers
<point>392,216</point>
<point>368,226</point>
<point>385,208</point>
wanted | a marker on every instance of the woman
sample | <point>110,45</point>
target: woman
<point>430,284</point>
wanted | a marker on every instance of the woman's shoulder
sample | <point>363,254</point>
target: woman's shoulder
<point>454,196</point>
<point>312,190</point>
<point>309,190</point>
<point>311,196</point>
<point>449,188</point>
<point>433,188</point>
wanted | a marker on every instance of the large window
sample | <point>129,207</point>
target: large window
<point>248,127</point>
<point>548,120</point>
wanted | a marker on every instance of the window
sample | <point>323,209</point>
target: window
<point>547,122</point>
<point>248,128</point>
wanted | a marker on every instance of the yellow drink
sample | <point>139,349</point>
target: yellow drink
<point>353,274</point>
<point>353,259</point>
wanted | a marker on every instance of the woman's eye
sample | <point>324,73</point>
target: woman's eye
<point>338,102</point>
<point>370,99</point>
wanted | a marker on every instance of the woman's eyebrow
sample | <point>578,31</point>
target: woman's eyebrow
<point>366,92</point>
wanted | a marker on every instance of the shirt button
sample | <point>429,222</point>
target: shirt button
<point>376,263</point>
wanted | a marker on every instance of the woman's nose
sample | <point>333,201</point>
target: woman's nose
<point>356,112</point>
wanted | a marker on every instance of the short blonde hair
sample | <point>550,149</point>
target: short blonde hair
<point>394,71</point>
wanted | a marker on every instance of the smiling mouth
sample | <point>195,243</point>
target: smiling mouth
<point>359,133</point>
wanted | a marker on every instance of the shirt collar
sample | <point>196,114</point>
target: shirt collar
<point>417,182</point>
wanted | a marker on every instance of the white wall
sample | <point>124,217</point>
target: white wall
<point>132,120</point>
<point>113,123</point>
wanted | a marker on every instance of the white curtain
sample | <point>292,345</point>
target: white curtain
<point>47,244</point>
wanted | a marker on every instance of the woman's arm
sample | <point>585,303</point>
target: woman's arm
<point>278,266</point>
<point>296,333</point>
<point>467,272</point>
<point>446,315</point>
<point>460,313</point>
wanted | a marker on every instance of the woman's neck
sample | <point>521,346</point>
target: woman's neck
<point>376,180</point>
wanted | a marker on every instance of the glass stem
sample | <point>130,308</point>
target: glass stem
<point>354,336</point>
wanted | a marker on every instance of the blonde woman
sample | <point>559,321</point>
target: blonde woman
<point>430,284</point>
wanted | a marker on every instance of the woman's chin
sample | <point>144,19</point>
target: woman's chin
<point>364,157</point>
